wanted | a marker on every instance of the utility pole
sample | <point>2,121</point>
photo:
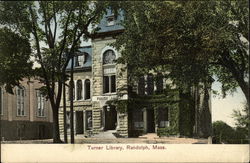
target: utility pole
<point>72,139</point>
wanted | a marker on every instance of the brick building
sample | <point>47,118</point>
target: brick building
<point>26,114</point>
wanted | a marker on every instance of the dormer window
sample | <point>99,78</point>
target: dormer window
<point>110,20</point>
<point>81,59</point>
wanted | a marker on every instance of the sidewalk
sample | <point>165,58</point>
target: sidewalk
<point>108,138</point>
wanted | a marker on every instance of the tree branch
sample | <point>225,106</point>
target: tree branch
<point>34,32</point>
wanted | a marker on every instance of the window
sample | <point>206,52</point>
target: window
<point>109,84</point>
<point>163,118</point>
<point>150,84</point>
<point>1,101</point>
<point>159,83</point>
<point>69,96</point>
<point>138,119</point>
<point>89,119</point>
<point>87,89</point>
<point>109,71</point>
<point>40,104</point>
<point>113,83</point>
<point>141,86</point>
<point>79,89</point>
<point>109,57</point>
<point>81,59</point>
<point>20,101</point>
<point>110,20</point>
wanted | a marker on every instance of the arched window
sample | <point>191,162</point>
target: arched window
<point>20,101</point>
<point>87,89</point>
<point>79,89</point>
<point>109,72</point>
<point>109,57</point>
<point>73,91</point>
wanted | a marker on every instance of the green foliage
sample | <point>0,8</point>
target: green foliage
<point>168,131</point>
<point>223,133</point>
<point>121,105</point>
<point>186,114</point>
<point>242,122</point>
<point>242,117</point>
<point>54,30</point>
<point>15,52</point>
<point>192,40</point>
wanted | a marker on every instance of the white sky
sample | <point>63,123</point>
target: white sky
<point>222,109</point>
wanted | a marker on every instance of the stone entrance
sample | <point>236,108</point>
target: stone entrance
<point>110,117</point>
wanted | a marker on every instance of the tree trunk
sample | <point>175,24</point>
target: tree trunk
<point>56,132</point>
<point>245,89</point>
<point>72,138</point>
<point>64,114</point>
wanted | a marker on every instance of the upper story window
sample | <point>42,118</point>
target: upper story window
<point>109,84</point>
<point>79,89</point>
<point>150,84</point>
<point>1,101</point>
<point>81,59</point>
<point>20,92</point>
<point>110,20</point>
<point>87,89</point>
<point>41,101</point>
<point>159,83</point>
<point>141,85</point>
<point>109,72</point>
<point>69,95</point>
<point>109,57</point>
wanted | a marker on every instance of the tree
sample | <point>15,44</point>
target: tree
<point>222,132</point>
<point>55,30</point>
<point>242,121</point>
<point>15,52</point>
<point>192,40</point>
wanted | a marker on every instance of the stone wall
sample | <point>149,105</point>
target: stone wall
<point>99,47</point>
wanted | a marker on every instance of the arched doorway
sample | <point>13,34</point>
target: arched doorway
<point>110,117</point>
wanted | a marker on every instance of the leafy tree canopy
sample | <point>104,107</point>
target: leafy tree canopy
<point>15,61</point>
<point>55,30</point>
<point>242,120</point>
<point>192,40</point>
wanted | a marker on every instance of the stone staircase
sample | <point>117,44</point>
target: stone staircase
<point>105,135</point>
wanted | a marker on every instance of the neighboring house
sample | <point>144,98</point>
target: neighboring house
<point>104,99</point>
<point>26,114</point>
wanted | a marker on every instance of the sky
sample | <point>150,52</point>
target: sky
<point>222,109</point>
